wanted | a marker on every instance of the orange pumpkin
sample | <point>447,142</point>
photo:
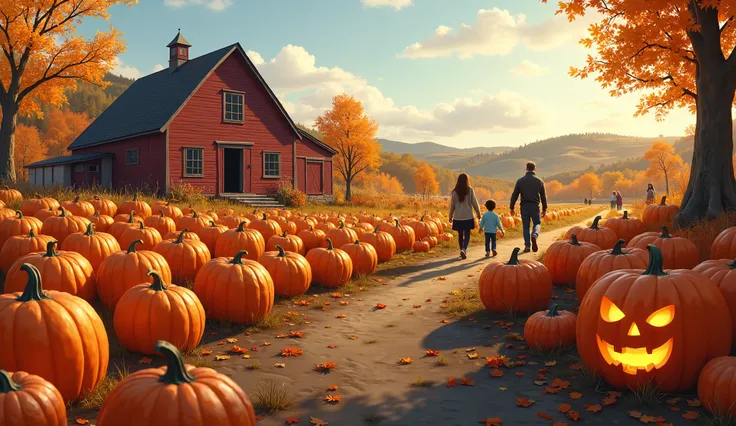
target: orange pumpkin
<point>104,206</point>
<point>18,225</point>
<point>678,252</point>
<point>421,246</point>
<point>20,394</point>
<point>601,236</point>
<point>658,215</point>
<point>125,269</point>
<point>79,208</point>
<point>186,235</point>
<point>515,286</point>
<point>286,225</point>
<point>433,241</point>
<point>33,205</point>
<point>312,238</point>
<point>715,386</point>
<point>21,245</point>
<point>72,356</point>
<point>185,257</point>
<point>626,227</point>
<point>290,271</point>
<point>383,242</point>
<point>210,234</point>
<point>602,262</point>
<point>403,235</point>
<point>149,236</point>
<point>266,227</point>
<point>235,289</point>
<point>171,211</point>
<point>93,246</point>
<point>140,207</point>
<point>325,226</point>
<point>236,240</point>
<point>723,274</point>
<point>331,267</point>
<point>161,223</point>
<point>226,212</point>
<point>303,224</point>
<point>102,222</point>
<point>43,214</point>
<point>724,246</point>
<point>424,229</point>
<point>210,398</point>
<point>158,311</point>
<point>9,195</point>
<point>193,223</point>
<point>563,259</point>
<point>64,225</point>
<point>232,222</point>
<point>363,257</point>
<point>341,235</point>
<point>118,227</point>
<point>550,330</point>
<point>287,242</point>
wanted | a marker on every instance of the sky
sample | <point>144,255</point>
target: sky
<point>462,73</point>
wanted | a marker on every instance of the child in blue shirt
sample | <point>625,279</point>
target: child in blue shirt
<point>489,223</point>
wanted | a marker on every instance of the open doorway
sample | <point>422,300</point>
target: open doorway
<point>233,173</point>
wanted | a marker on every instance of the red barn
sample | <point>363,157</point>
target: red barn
<point>211,122</point>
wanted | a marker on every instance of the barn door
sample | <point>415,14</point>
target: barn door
<point>314,178</point>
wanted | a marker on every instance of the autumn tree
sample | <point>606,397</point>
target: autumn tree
<point>43,56</point>
<point>552,188</point>
<point>62,127</point>
<point>352,134</point>
<point>426,181</point>
<point>588,185</point>
<point>482,194</point>
<point>662,162</point>
<point>609,180</point>
<point>678,53</point>
<point>28,149</point>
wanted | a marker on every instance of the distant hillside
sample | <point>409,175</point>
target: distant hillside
<point>441,155</point>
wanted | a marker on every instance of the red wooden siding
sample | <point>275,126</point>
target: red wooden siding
<point>199,124</point>
<point>150,172</point>
<point>315,178</point>
<point>85,177</point>
<point>301,176</point>
<point>327,170</point>
<point>307,148</point>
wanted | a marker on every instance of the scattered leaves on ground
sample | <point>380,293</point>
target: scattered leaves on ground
<point>332,399</point>
<point>405,361</point>
<point>325,366</point>
<point>291,351</point>
<point>522,401</point>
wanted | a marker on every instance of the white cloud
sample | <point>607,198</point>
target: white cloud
<point>209,4</point>
<point>496,32</point>
<point>396,4</point>
<point>157,68</point>
<point>529,69</point>
<point>310,88</point>
<point>126,71</point>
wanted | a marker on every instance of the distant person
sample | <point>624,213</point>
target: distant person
<point>619,201</point>
<point>462,204</point>
<point>531,189</point>
<point>650,194</point>
<point>489,224</point>
<point>613,200</point>
<point>585,201</point>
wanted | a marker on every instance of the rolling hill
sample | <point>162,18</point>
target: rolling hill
<point>438,154</point>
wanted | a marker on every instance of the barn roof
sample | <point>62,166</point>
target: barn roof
<point>67,159</point>
<point>307,135</point>
<point>151,102</point>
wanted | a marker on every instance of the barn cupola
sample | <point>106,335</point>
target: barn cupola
<point>178,51</point>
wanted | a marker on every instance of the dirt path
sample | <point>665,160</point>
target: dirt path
<point>367,343</point>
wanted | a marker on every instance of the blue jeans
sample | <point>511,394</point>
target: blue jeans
<point>530,215</point>
<point>490,238</point>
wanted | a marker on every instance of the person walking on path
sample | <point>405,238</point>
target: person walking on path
<point>489,224</point>
<point>462,205</point>
<point>650,193</point>
<point>531,189</point>
<point>619,201</point>
<point>613,200</point>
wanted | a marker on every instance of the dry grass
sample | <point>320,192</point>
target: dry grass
<point>419,382</point>
<point>253,366</point>
<point>271,396</point>
<point>373,418</point>
<point>464,304</point>
<point>722,419</point>
<point>646,394</point>
<point>441,362</point>
<point>97,397</point>
<point>586,377</point>
<point>271,321</point>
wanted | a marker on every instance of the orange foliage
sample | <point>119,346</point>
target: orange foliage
<point>28,149</point>
<point>553,188</point>
<point>379,182</point>
<point>662,162</point>
<point>426,181</point>
<point>62,127</point>
<point>482,194</point>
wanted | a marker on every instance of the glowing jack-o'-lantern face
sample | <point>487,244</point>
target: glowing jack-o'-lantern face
<point>634,359</point>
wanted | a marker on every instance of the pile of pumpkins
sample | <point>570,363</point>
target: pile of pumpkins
<point>650,311</point>
<point>139,259</point>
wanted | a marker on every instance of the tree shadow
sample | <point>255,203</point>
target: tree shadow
<point>432,270</point>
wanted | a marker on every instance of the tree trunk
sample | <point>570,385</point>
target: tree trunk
<point>348,195</point>
<point>712,187</point>
<point>666,184</point>
<point>7,140</point>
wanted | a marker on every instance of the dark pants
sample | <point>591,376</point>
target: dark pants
<point>613,204</point>
<point>463,238</point>
<point>529,216</point>
<point>490,238</point>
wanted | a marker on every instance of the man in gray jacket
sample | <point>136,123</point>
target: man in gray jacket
<point>531,189</point>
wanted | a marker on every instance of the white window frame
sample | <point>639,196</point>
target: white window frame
<point>266,162</point>
<point>234,117</point>
<point>185,158</point>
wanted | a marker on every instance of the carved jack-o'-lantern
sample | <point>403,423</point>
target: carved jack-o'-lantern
<point>635,327</point>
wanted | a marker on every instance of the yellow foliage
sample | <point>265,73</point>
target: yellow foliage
<point>379,182</point>
<point>28,149</point>
<point>62,127</point>
<point>426,181</point>
<point>662,161</point>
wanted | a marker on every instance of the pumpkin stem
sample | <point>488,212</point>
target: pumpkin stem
<point>96,213</point>
<point>311,228</point>
<point>32,233</point>
<point>161,212</point>
<point>194,214</point>
<point>282,253</point>
<point>90,230</point>
<point>655,261</point>
<point>212,224</point>
<point>96,197</point>
<point>180,238</point>
<point>665,232</point>
<point>63,212</point>
<point>50,252</point>
<point>135,197</point>
<point>396,222</point>
<point>664,201</point>
<point>574,240</point>
<point>514,259</point>
<point>265,217</point>
<point>7,384</point>
<point>375,231</point>
<point>595,223</point>
<point>19,214</point>
<point>37,195</point>
<point>284,234</point>
<point>176,371</point>
<point>34,287</point>
<point>6,187</point>
<point>553,311</point>
<point>76,199</point>
<point>617,248</point>
<point>342,224</point>
<point>626,215</point>
<point>142,226</point>
<point>241,227</point>
<point>130,216</point>
<point>329,244</point>
<point>238,258</point>
<point>158,283</point>
<point>732,265</point>
<point>131,247</point>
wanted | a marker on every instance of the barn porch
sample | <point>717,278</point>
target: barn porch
<point>81,170</point>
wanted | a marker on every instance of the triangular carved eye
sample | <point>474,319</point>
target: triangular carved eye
<point>610,312</point>
<point>662,317</point>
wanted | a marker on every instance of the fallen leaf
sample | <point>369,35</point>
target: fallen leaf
<point>467,382</point>
<point>562,384</point>
<point>540,382</point>
<point>573,415</point>
<point>81,421</point>
<point>473,356</point>
<point>238,350</point>
<point>502,388</point>
<point>451,383</point>
<point>405,361</point>
<point>232,340</point>
<point>317,422</point>
<point>303,303</point>
<point>205,352</point>
<point>332,387</point>
<point>341,316</point>
<point>334,399</point>
<point>266,343</point>
<point>593,408</point>
<point>522,401</point>
<point>353,337</point>
<point>431,352</point>
<point>646,419</point>
<point>564,408</point>
<point>609,401</point>
<point>691,415</point>
<point>613,394</point>
<point>331,346</point>
<point>280,365</point>
<point>246,356</point>
<point>416,306</point>
<point>694,402</point>
<point>325,366</point>
<point>496,372</point>
<point>519,374</point>
<point>673,401</point>
<point>544,416</point>
<point>292,420</point>
<point>550,363</point>
<point>445,321</point>
<point>441,278</point>
<point>380,306</point>
<point>496,361</point>
<point>575,395</point>
<point>675,408</point>
<point>291,351</point>
<point>221,343</point>
<point>576,366</point>
<point>552,390</point>
<point>222,357</point>
<point>491,421</point>
<point>145,360</point>
<point>296,334</point>
<point>634,414</point>
<point>343,303</point>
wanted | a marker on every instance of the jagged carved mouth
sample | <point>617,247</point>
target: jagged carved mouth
<point>635,359</point>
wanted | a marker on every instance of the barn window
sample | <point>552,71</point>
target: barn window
<point>233,107</point>
<point>194,162</point>
<point>271,164</point>
<point>131,156</point>
<point>93,169</point>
